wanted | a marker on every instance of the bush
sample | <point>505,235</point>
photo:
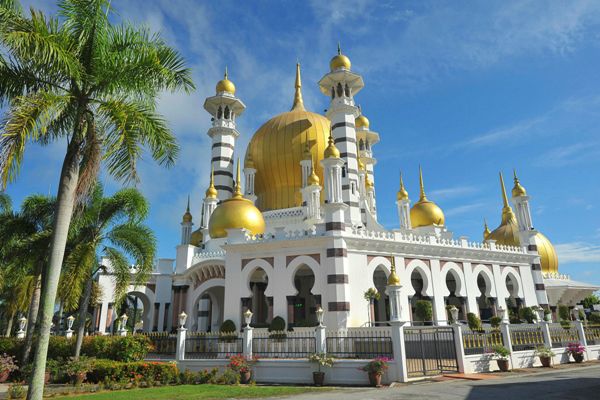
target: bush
<point>11,346</point>
<point>563,312</point>
<point>423,310</point>
<point>207,376</point>
<point>108,371</point>
<point>474,322</point>
<point>228,327</point>
<point>229,377</point>
<point>495,322</point>
<point>594,318</point>
<point>527,314</point>
<point>501,352</point>
<point>277,325</point>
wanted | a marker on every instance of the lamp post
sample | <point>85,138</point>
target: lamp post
<point>248,317</point>
<point>540,313</point>
<point>247,335</point>
<point>181,337</point>
<point>575,313</point>
<point>69,331</point>
<point>22,326</point>
<point>500,312</point>
<point>320,313</point>
<point>454,315</point>
<point>182,320</point>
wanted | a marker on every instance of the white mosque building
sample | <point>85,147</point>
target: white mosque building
<point>302,233</point>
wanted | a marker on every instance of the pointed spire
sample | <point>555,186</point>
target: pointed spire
<point>339,48</point>
<point>226,75</point>
<point>518,190</point>
<point>504,197</point>
<point>421,185</point>
<point>307,154</point>
<point>211,192</point>
<point>237,192</point>
<point>187,209</point>
<point>298,102</point>
<point>313,178</point>
<point>331,151</point>
<point>486,230</point>
<point>402,193</point>
<point>187,216</point>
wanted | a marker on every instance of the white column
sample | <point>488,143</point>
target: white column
<point>460,348</point>
<point>247,341</point>
<point>506,340</point>
<point>320,337</point>
<point>180,351</point>
<point>399,350</point>
<point>439,306</point>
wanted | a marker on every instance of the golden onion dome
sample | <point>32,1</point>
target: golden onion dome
<point>187,217</point>
<point>331,151</point>
<point>211,192</point>
<point>425,212</point>
<point>486,230</point>
<point>361,122</point>
<point>518,190</point>
<point>277,148</point>
<point>313,179</point>
<point>402,193</point>
<point>197,238</point>
<point>507,234</point>
<point>225,85</point>
<point>236,213</point>
<point>339,61</point>
<point>393,279</point>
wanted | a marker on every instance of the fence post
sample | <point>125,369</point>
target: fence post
<point>460,347</point>
<point>546,333</point>
<point>320,337</point>
<point>247,341</point>
<point>582,338</point>
<point>180,351</point>
<point>399,351</point>
<point>505,329</point>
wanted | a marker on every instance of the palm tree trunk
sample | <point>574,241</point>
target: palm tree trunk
<point>67,188</point>
<point>83,307</point>
<point>32,318</point>
<point>10,323</point>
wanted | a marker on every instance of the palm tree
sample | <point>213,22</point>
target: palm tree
<point>94,85</point>
<point>111,226</point>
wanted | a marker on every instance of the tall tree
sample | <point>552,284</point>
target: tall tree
<point>112,227</point>
<point>93,85</point>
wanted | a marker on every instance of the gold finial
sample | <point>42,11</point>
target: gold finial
<point>187,217</point>
<point>486,230</point>
<point>393,279</point>
<point>225,85</point>
<point>518,190</point>
<point>402,193</point>
<point>298,102</point>
<point>211,192</point>
<point>226,75</point>
<point>422,197</point>
<point>339,61</point>
<point>313,179</point>
<point>237,193</point>
<point>339,48</point>
<point>507,212</point>
<point>307,154</point>
<point>331,151</point>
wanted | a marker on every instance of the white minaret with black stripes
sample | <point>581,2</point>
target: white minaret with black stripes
<point>224,108</point>
<point>342,84</point>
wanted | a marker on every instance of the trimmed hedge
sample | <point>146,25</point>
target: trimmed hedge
<point>118,348</point>
<point>104,371</point>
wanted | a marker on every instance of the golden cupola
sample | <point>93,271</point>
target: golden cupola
<point>277,148</point>
<point>361,122</point>
<point>211,192</point>
<point>507,233</point>
<point>402,193</point>
<point>225,85</point>
<point>486,230</point>
<point>425,212</point>
<point>339,61</point>
<point>187,216</point>
<point>236,213</point>
<point>393,279</point>
<point>518,190</point>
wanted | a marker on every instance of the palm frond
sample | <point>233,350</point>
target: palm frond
<point>5,203</point>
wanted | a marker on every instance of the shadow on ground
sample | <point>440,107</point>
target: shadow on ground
<point>559,388</point>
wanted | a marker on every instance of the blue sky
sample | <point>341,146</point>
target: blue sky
<point>465,89</point>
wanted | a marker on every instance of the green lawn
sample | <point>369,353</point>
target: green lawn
<point>197,392</point>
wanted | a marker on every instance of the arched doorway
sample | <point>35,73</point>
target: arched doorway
<point>258,302</point>
<point>208,310</point>
<point>136,306</point>
<point>453,299</point>
<point>417,281</point>
<point>484,302</point>
<point>380,312</point>
<point>305,303</point>
<point>513,302</point>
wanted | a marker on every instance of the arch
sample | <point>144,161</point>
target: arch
<point>198,293</point>
<point>382,262</point>
<point>489,280</point>
<point>147,300</point>
<point>314,266</point>
<point>423,269</point>
<point>459,277</point>
<point>512,274</point>
<point>340,90</point>
<point>247,272</point>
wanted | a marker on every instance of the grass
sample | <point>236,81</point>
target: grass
<point>197,392</point>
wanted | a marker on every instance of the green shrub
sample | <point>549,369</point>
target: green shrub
<point>229,377</point>
<point>228,327</point>
<point>495,322</point>
<point>277,324</point>
<point>11,347</point>
<point>474,322</point>
<point>423,310</point>
<point>594,318</point>
<point>565,324</point>
<point>207,376</point>
<point>527,314</point>
<point>129,348</point>
<point>563,312</point>
<point>108,371</point>
<point>501,352</point>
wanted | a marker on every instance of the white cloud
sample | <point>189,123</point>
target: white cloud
<point>578,252</point>
<point>464,209</point>
<point>571,154</point>
<point>452,192</point>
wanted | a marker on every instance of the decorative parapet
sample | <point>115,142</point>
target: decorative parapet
<point>286,214</point>
<point>556,275</point>
<point>207,255</point>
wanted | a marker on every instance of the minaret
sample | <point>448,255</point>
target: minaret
<point>209,205</point>
<point>342,84</point>
<point>186,225</point>
<point>521,202</point>
<point>311,196</point>
<point>250,175</point>
<point>403,203</point>
<point>224,108</point>
<point>366,139</point>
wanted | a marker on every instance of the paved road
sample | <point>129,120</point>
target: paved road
<point>570,384</point>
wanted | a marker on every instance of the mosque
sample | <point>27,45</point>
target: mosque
<point>302,233</point>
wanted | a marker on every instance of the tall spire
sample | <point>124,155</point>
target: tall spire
<point>226,75</point>
<point>486,230</point>
<point>187,209</point>
<point>507,211</point>
<point>402,193</point>
<point>422,187</point>
<point>504,197</point>
<point>298,102</point>
<point>237,192</point>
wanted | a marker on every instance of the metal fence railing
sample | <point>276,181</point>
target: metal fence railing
<point>481,342</point>
<point>592,333</point>
<point>561,337</point>
<point>163,344</point>
<point>430,351</point>
<point>526,337</point>
<point>200,345</point>
<point>284,345</point>
<point>360,343</point>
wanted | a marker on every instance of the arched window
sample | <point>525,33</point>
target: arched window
<point>219,113</point>
<point>347,90</point>
<point>226,112</point>
<point>340,90</point>
<point>332,93</point>
<point>361,144</point>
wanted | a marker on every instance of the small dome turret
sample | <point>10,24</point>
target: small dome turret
<point>331,151</point>
<point>425,212</point>
<point>225,85</point>
<point>518,190</point>
<point>339,61</point>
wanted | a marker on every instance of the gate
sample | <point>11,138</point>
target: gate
<point>430,350</point>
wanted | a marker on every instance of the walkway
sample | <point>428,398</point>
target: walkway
<point>560,384</point>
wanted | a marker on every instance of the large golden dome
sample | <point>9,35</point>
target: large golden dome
<point>507,233</point>
<point>277,148</point>
<point>236,213</point>
<point>425,212</point>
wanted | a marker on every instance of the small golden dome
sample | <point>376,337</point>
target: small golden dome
<point>236,213</point>
<point>425,212</point>
<point>313,179</point>
<point>225,85</point>
<point>187,217</point>
<point>211,192</point>
<point>486,230</point>
<point>361,122</point>
<point>518,190</point>
<point>331,151</point>
<point>393,279</point>
<point>402,193</point>
<point>339,61</point>
<point>368,183</point>
<point>197,238</point>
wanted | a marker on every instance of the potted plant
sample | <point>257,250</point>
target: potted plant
<point>241,365</point>
<point>77,369</point>
<point>576,349</point>
<point>501,353</point>
<point>322,360</point>
<point>424,311</point>
<point>474,322</point>
<point>545,354</point>
<point>7,365</point>
<point>277,329</point>
<point>376,368</point>
<point>547,315</point>
<point>495,322</point>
